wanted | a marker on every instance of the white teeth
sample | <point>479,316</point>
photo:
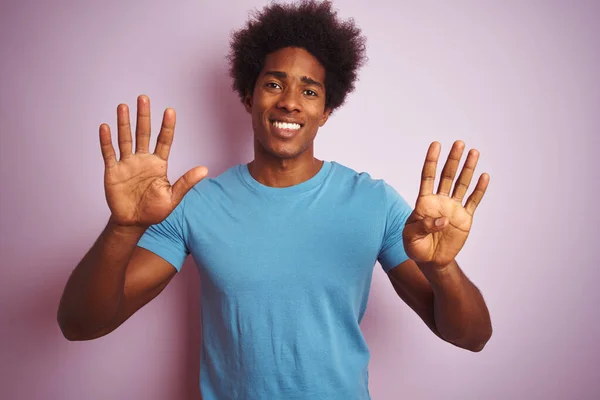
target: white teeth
<point>286,125</point>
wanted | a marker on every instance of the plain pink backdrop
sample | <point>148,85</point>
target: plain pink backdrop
<point>516,79</point>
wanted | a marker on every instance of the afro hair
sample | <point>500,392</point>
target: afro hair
<point>311,25</point>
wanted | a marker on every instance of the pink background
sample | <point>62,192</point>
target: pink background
<point>517,80</point>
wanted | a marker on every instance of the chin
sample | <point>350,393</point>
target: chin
<point>274,147</point>
<point>283,151</point>
<point>284,154</point>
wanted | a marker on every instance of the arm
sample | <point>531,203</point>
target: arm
<point>114,280</point>
<point>431,282</point>
<point>446,300</point>
<point>116,277</point>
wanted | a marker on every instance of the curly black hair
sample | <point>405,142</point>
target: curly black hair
<point>311,25</point>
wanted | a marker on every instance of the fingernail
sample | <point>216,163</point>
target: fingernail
<point>439,222</point>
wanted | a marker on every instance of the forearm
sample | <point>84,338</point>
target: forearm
<point>94,291</point>
<point>461,315</point>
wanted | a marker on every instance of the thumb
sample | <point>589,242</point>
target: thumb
<point>423,227</point>
<point>186,182</point>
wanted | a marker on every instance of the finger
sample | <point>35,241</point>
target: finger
<point>124,130</point>
<point>186,182</point>
<point>142,126</point>
<point>420,229</point>
<point>450,168</point>
<point>165,137</point>
<point>429,169</point>
<point>108,151</point>
<point>475,197</point>
<point>464,179</point>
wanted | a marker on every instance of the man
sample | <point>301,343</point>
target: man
<point>285,245</point>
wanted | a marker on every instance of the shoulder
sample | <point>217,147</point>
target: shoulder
<point>219,189</point>
<point>357,188</point>
<point>361,181</point>
<point>230,178</point>
<point>362,184</point>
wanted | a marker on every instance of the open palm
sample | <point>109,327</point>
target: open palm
<point>439,225</point>
<point>137,189</point>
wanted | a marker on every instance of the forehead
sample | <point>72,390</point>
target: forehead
<point>295,62</point>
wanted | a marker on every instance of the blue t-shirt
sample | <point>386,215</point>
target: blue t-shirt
<point>285,276</point>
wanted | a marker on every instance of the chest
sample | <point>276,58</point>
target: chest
<point>251,247</point>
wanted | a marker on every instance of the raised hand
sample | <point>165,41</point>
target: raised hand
<point>137,189</point>
<point>438,227</point>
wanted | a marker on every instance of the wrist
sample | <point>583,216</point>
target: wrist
<point>432,266</point>
<point>435,272</point>
<point>125,230</point>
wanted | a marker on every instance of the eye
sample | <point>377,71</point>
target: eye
<point>310,92</point>
<point>272,85</point>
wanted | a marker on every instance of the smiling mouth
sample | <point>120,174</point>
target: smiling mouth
<point>288,126</point>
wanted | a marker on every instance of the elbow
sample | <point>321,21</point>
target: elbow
<point>69,329</point>
<point>476,347</point>
<point>68,322</point>
<point>73,333</point>
<point>72,336</point>
<point>80,326</point>
<point>478,343</point>
<point>69,333</point>
<point>474,341</point>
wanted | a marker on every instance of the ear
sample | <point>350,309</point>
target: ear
<point>248,102</point>
<point>325,116</point>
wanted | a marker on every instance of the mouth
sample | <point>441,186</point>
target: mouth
<point>285,129</point>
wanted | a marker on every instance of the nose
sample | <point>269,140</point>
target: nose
<point>288,100</point>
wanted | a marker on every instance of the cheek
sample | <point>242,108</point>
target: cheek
<point>259,111</point>
<point>256,124</point>
<point>259,126</point>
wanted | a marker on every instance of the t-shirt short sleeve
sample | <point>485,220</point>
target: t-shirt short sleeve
<point>167,239</point>
<point>392,250</point>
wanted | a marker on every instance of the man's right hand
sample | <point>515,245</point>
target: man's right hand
<point>137,189</point>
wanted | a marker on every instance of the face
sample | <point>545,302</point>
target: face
<point>288,103</point>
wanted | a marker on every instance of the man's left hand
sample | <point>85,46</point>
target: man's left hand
<point>438,227</point>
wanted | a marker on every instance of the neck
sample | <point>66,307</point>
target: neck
<point>276,172</point>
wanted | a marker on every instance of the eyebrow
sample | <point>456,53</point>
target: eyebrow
<point>304,79</point>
